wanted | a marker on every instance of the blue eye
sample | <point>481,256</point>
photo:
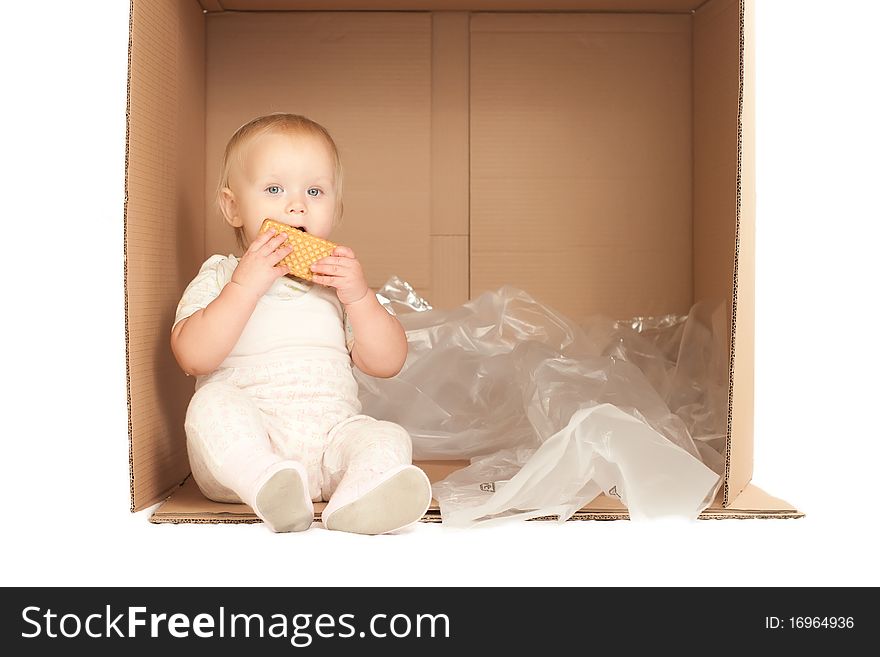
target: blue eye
<point>273,187</point>
<point>313,189</point>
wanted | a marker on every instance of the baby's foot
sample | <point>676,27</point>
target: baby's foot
<point>386,503</point>
<point>282,500</point>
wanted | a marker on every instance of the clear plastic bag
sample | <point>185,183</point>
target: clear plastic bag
<point>550,413</point>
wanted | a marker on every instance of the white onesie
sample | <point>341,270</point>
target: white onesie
<point>285,391</point>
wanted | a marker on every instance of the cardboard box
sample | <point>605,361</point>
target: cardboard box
<point>610,142</point>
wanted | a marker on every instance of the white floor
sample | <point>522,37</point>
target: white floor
<point>64,423</point>
<point>56,544</point>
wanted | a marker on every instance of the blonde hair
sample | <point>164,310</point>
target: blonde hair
<point>278,123</point>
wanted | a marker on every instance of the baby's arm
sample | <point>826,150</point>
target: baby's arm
<point>204,339</point>
<point>379,339</point>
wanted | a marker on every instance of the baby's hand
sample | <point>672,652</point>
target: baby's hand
<point>343,271</point>
<point>258,267</point>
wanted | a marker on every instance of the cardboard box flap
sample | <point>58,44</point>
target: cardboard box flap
<point>724,204</point>
<point>756,500</point>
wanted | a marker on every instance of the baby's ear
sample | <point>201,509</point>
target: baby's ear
<point>229,207</point>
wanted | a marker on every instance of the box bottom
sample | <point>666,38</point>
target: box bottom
<point>186,504</point>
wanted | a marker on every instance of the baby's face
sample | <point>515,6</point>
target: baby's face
<point>288,178</point>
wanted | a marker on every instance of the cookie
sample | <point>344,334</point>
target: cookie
<point>307,248</point>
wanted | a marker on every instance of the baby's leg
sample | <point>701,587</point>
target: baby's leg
<point>370,480</point>
<point>232,459</point>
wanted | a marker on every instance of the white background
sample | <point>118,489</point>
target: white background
<point>64,418</point>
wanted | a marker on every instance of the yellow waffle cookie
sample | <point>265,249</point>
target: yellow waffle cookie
<point>306,248</point>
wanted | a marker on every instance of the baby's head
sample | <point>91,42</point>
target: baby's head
<point>283,167</point>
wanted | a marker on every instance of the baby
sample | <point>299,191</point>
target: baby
<point>275,419</point>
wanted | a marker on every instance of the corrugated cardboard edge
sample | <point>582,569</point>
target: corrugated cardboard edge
<point>725,488</point>
<point>739,458</point>
<point>187,505</point>
<point>125,259</point>
<point>740,402</point>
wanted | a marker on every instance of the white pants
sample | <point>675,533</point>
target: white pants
<point>241,420</point>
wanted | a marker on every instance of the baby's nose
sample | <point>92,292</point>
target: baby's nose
<point>296,206</point>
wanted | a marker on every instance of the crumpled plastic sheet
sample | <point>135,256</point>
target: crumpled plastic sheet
<point>551,413</point>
